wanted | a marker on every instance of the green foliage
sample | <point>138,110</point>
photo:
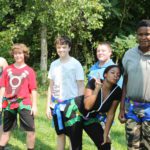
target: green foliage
<point>7,40</point>
<point>85,21</point>
<point>40,75</point>
<point>5,45</point>
<point>77,19</point>
<point>80,14</point>
<point>121,44</point>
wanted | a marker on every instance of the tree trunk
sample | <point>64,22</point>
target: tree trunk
<point>44,53</point>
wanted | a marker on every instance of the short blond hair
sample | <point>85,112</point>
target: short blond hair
<point>20,46</point>
<point>106,44</point>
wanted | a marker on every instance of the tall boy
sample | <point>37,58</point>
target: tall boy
<point>19,96</point>
<point>135,104</point>
<point>66,80</point>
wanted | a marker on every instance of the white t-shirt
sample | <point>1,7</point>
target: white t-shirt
<point>65,76</point>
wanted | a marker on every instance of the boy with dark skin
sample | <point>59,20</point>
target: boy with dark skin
<point>135,104</point>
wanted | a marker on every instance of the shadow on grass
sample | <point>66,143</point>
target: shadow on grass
<point>12,147</point>
<point>20,136</point>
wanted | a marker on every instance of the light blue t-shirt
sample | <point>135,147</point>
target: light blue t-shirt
<point>96,71</point>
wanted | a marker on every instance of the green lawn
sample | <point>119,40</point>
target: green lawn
<point>46,137</point>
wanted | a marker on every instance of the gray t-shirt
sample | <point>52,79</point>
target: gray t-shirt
<point>137,66</point>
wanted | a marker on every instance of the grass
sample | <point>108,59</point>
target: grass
<point>46,137</point>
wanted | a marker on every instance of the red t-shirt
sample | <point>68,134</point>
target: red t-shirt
<point>19,83</point>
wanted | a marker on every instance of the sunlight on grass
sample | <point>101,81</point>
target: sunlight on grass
<point>118,135</point>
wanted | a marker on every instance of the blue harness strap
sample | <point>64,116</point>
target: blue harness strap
<point>137,111</point>
<point>102,117</point>
<point>57,111</point>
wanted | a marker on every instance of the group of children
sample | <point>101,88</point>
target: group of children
<point>75,108</point>
<point>66,93</point>
<point>72,106</point>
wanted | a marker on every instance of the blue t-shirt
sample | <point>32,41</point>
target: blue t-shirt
<point>96,71</point>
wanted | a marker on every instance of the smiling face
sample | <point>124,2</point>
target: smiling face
<point>103,53</point>
<point>143,36</point>
<point>63,50</point>
<point>112,75</point>
<point>19,56</point>
<point>20,52</point>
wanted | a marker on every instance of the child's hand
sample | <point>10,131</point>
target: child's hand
<point>121,117</point>
<point>49,113</point>
<point>34,110</point>
<point>98,83</point>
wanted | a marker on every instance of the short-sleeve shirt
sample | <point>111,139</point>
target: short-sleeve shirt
<point>19,83</point>
<point>65,76</point>
<point>100,106</point>
<point>137,66</point>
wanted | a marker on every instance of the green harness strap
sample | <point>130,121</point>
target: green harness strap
<point>21,106</point>
<point>73,121</point>
<point>71,108</point>
<point>91,121</point>
<point>77,118</point>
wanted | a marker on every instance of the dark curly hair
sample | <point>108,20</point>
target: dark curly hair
<point>110,67</point>
<point>143,23</point>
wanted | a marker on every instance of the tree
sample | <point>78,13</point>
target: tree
<point>77,19</point>
<point>37,23</point>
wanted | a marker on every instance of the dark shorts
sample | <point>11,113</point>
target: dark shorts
<point>26,120</point>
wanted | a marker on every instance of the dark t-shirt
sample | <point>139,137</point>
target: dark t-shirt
<point>99,106</point>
